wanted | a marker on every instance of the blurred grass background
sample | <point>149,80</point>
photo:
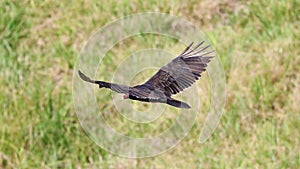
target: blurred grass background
<point>257,42</point>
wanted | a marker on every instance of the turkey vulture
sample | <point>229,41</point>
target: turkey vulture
<point>171,79</point>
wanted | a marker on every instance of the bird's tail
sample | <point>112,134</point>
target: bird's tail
<point>177,103</point>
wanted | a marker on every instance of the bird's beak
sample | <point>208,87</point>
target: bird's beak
<point>126,96</point>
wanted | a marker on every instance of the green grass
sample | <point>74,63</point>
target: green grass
<point>257,42</point>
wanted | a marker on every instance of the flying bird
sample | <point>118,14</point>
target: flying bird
<point>169,80</point>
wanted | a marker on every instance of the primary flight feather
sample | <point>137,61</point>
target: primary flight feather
<point>171,79</point>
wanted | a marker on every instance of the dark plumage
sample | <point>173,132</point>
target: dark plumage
<point>171,79</point>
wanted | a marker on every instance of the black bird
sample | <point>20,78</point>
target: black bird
<point>171,79</point>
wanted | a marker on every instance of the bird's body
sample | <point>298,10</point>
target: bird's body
<point>171,79</point>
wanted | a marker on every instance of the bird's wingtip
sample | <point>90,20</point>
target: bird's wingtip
<point>84,77</point>
<point>186,106</point>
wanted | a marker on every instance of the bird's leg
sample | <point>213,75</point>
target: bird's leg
<point>126,96</point>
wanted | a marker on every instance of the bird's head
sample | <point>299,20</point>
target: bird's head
<point>126,96</point>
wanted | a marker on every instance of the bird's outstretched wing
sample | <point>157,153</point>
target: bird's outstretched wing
<point>114,87</point>
<point>182,71</point>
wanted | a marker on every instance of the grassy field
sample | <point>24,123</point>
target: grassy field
<point>258,45</point>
